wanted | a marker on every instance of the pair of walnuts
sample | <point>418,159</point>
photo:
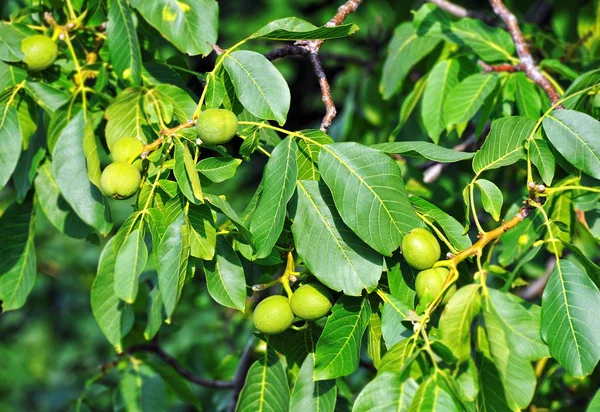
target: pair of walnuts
<point>421,250</point>
<point>276,314</point>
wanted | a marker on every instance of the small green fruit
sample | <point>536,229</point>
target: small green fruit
<point>216,126</point>
<point>40,52</point>
<point>126,148</point>
<point>311,302</point>
<point>420,249</point>
<point>120,180</point>
<point>273,315</point>
<point>429,284</point>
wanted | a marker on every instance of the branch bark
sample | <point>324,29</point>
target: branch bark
<point>177,367</point>
<point>240,374</point>
<point>526,60</point>
<point>311,48</point>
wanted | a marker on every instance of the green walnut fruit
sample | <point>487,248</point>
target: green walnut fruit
<point>120,180</point>
<point>216,126</point>
<point>429,284</point>
<point>311,302</point>
<point>126,148</point>
<point>40,52</point>
<point>273,315</point>
<point>420,249</point>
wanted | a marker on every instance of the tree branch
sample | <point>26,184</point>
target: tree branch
<point>177,367</point>
<point>461,12</point>
<point>311,48</point>
<point>526,60</point>
<point>506,67</point>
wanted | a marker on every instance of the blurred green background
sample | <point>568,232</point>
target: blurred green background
<point>52,346</point>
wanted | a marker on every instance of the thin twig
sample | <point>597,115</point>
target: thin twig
<point>240,374</point>
<point>506,67</point>
<point>311,48</point>
<point>526,60</point>
<point>462,12</point>
<point>177,367</point>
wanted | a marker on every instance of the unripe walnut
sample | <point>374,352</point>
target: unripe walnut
<point>311,301</point>
<point>273,315</point>
<point>126,148</point>
<point>429,284</point>
<point>420,249</point>
<point>216,126</point>
<point>120,180</point>
<point>40,52</point>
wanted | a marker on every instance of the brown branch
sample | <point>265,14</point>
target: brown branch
<point>506,67</point>
<point>526,60</point>
<point>311,48</point>
<point>172,362</point>
<point>461,12</point>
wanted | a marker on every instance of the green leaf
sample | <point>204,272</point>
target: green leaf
<point>123,42</point>
<point>515,372</point>
<point>70,174</point>
<point>279,184</point>
<point>10,75</point>
<point>368,191</point>
<point>224,207</point>
<point>55,207</point>
<point>155,314</point>
<point>398,357</point>
<point>338,348</point>
<point>114,317</point>
<point>258,85</point>
<point>309,395</point>
<point>432,397</point>
<point>491,197</point>
<point>457,317</point>
<point>443,78</point>
<point>424,150</point>
<point>504,145</point>
<point>575,136</point>
<point>130,262</point>
<point>584,81</point>
<point>293,28</point>
<point>570,321</point>
<point>17,255</point>
<point>388,391</point>
<point>401,280</point>
<point>410,102</point>
<point>10,42</point>
<point>186,174</point>
<point>170,255</point>
<point>218,169</point>
<point>449,225</point>
<point>521,323</point>
<point>595,403</point>
<point>527,97</point>
<point>331,251</point>
<point>191,25</point>
<point>183,104</point>
<point>543,159</point>
<point>489,43</point>
<point>266,387</point>
<point>225,277</point>
<point>203,233</point>
<point>394,313</point>
<point>47,96</point>
<point>375,344</point>
<point>125,116</point>
<point>10,144</point>
<point>141,390</point>
<point>308,154</point>
<point>467,98</point>
<point>405,50</point>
